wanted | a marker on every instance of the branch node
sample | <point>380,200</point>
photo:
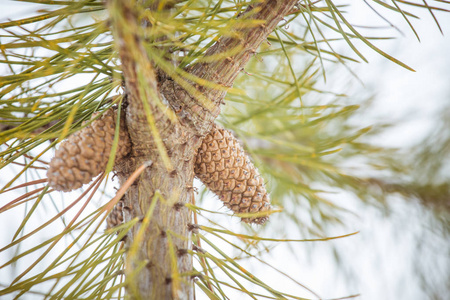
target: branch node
<point>149,265</point>
<point>198,249</point>
<point>182,252</point>
<point>193,188</point>
<point>194,228</point>
<point>247,73</point>
<point>124,238</point>
<point>178,206</point>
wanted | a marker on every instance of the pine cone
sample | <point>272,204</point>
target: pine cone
<point>115,217</point>
<point>85,154</point>
<point>226,170</point>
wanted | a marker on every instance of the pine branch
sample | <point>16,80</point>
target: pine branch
<point>159,195</point>
<point>186,55</point>
<point>144,103</point>
<point>227,58</point>
<point>151,127</point>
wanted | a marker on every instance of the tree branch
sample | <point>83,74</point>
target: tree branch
<point>147,116</point>
<point>153,125</point>
<point>164,188</point>
<point>232,52</point>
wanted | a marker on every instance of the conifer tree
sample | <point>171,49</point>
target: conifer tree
<point>135,91</point>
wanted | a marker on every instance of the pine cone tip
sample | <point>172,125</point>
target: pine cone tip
<point>223,166</point>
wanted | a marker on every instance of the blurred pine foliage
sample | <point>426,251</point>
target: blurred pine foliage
<point>60,66</point>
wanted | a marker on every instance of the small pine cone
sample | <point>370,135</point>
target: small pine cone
<point>85,154</point>
<point>223,166</point>
<point>115,217</point>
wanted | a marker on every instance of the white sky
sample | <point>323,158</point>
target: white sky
<point>380,256</point>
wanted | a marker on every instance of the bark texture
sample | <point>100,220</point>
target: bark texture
<point>170,140</point>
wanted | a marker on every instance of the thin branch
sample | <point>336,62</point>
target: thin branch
<point>231,53</point>
<point>145,111</point>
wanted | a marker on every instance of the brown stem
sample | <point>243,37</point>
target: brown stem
<point>170,174</point>
<point>171,144</point>
<point>232,53</point>
<point>202,258</point>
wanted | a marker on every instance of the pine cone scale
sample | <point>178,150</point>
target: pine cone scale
<point>85,153</point>
<point>223,166</point>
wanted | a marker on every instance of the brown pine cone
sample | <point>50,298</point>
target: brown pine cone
<point>223,166</point>
<point>85,154</point>
<point>115,217</point>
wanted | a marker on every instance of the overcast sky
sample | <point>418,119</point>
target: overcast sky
<point>399,93</point>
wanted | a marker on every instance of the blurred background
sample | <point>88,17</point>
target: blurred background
<point>402,250</point>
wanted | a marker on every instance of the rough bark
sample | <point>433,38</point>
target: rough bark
<point>237,49</point>
<point>171,143</point>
